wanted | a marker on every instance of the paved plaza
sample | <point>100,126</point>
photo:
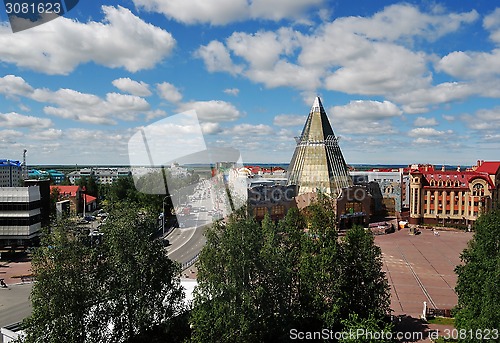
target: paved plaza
<point>421,268</point>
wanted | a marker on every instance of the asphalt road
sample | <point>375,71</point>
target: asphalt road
<point>14,304</point>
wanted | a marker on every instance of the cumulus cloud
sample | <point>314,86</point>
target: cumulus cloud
<point>416,101</point>
<point>427,132</point>
<point>487,120</point>
<point>404,21</point>
<point>492,23</point>
<point>47,135</point>
<point>422,121</point>
<point>138,88</point>
<point>168,92</point>
<point>471,65</point>
<point>366,110</point>
<point>289,120</point>
<point>11,85</point>
<point>16,120</point>
<point>217,58</point>
<point>121,40</point>
<point>212,111</point>
<point>349,54</point>
<point>249,130</point>
<point>221,12</point>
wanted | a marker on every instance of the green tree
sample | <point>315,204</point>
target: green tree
<point>362,281</point>
<point>142,284</point>
<point>63,295</point>
<point>257,282</point>
<point>478,284</point>
<point>119,288</point>
<point>227,306</point>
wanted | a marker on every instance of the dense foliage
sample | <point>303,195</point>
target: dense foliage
<point>259,282</point>
<point>478,284</point>
<point>118,287</point>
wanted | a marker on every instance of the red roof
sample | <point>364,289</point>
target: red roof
<point>488,167</point>
<point>463,177</point>
<point>89,199</point>
<point>67,190</point>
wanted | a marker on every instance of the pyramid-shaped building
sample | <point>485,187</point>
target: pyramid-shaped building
<point>317,163</point>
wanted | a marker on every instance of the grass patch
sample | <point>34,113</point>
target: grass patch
<point>442,321</point>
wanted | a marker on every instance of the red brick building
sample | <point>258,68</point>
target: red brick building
<point>453,197</point>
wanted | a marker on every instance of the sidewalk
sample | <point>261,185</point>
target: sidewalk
<point>11,271</point>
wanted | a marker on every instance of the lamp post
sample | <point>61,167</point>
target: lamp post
<point>163,217</point>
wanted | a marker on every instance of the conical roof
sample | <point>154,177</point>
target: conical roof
<point>317,163</point>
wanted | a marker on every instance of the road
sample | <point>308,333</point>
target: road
<point>14,304</point>
<point>187,242</point>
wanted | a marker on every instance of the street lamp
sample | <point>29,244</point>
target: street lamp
<point>163,217</point>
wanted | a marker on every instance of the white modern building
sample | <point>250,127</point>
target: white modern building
<point>20,216</point>
<point>11,173</point>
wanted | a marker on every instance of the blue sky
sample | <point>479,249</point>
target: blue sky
<point>402,82</point>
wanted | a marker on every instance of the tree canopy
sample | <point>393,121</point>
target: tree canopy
<point>120,287</point>
<point>258,282</point>
<point>478,284</point>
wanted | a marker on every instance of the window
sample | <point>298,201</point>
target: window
<point>478,190</point>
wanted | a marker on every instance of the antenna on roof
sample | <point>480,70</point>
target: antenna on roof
<point>25,168</point>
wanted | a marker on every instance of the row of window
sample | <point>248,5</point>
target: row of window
<point>19,206</point>
<point>20,221</point>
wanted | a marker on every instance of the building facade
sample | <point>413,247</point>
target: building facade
<point>453,197</point>
<point>20,216</point>
<point>385,186</point>
<point>100,175</point>
<point>11,173</point>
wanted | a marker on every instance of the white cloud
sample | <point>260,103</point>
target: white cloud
<point>487,120</point>
<point>350,55</point>
<point>263,49</point>
<point>16,120</point>
<point>217,58</point>
<point>11,85</point>
<point>9,136</point>
<point>404,21</point>
<point>366,110</point>
<point>125,84</point>
<point>122,40</point>
<point>221,12</point>
<point>448,117</point>
<point>70,104</point>
<point>492,23</point>
<point>288,74</point>
<point>232,91</point>
<point>212,111</point>
<point>249,130</point>
<point>289,120</point>
<point>210,128</point>
<point>370,74</point>
<point>424,141</point>
<point>422,121</point>
<point>427,132</point>
<point>442,93</point>
<point>49,134</point>
<point>168,92</point>
<point>471,65</point>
